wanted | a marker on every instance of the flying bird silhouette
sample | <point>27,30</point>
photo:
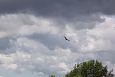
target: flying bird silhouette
<point>66,38</point>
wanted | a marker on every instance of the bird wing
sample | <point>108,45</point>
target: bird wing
<point>66,38</point>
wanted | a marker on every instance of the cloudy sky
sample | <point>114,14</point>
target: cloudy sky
<point>32,34</point>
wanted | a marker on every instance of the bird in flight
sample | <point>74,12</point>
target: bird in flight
<point>66,38</point>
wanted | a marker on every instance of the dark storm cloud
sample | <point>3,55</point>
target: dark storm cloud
<point>60,8</point>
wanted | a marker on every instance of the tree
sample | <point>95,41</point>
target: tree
<point>92,68</point>
<point>52,76</point>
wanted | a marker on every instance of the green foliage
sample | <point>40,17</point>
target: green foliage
<point>90,68</point>
<point>52,76</point>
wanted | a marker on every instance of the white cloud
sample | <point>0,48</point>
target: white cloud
<point>25,24</point>
<point>11,61</point>
<point>34,54</point>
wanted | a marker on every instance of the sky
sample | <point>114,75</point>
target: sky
<point>32,34</point>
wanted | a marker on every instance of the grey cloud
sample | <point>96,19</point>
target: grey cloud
<point>107,55</point>
<point>53,41</point>
<point>60,8</point>
<point>81,22</point>
<point>4,43</point>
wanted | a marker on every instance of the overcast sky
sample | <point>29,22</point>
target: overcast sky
<point>32,34</point>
